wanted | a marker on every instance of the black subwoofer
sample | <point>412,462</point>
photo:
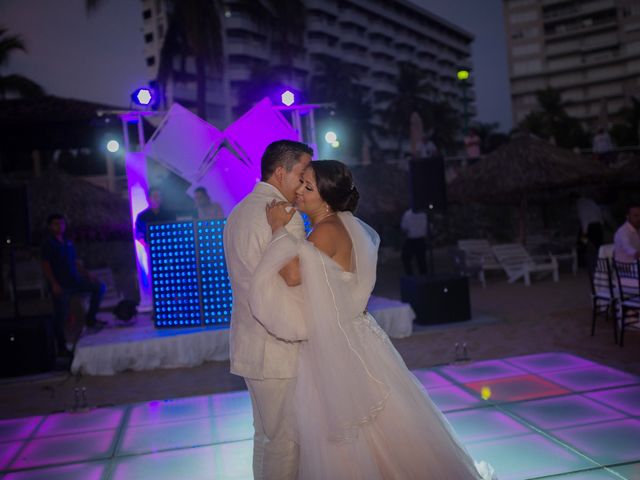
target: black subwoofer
<point>25,346</point>
<point>438,298</point>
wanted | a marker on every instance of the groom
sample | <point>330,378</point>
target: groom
<point>269,365</point>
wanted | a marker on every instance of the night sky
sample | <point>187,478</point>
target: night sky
<point>99,57</point>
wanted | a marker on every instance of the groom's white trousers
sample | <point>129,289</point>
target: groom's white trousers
<point>275,447</point>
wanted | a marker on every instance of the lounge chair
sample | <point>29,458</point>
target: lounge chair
<point>517,263</point>
<point>478,254</point>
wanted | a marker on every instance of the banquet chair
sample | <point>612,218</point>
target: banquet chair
<point>628,282</point>
<point>602,294</point>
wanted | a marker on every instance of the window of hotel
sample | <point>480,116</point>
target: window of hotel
<point>151,61</point>
<point>525,33</point>
<point>148,37</point>
<point>530,66</point>
<point>527,49</point>
<point>146,14</point>
<point>522,17</point>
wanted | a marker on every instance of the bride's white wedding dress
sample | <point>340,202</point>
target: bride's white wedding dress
<point>361,413</point>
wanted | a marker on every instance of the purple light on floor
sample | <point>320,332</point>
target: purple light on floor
<point>170,411</point>
<point>546,362</point>
<point>481,371</point>
<point>64,423</point>
<point>288,98</point>
<point>624,399</point>
<point>484,424</point>
<point>571,410</point>
<point>18,428</point>
<point>7,452</point>
<point>608,443</point>
<point>430,379</point>
<point>514,389</point>
<point>452,398</point>
<point>83,471</point>
<point>591,378</point>
<point>66,449</point>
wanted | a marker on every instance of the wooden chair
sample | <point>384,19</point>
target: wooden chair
<point>517,263</point>
<point>602,295</point>
<point>628,283</point>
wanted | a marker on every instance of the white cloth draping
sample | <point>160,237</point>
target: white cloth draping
<point>142,347</point>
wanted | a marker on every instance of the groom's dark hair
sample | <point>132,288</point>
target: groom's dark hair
<point>284,153</point>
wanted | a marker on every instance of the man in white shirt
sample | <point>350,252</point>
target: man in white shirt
<point>268,364</point>
<point>414,226</point>
<point>627,238</point>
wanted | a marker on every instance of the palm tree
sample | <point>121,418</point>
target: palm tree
<point>287,22</point>
<point>337,82</point>
<point>551,121</point>
<point>627,132</point>
<point>413,91</point>
<point>194,29</point>
<point>15,84</point>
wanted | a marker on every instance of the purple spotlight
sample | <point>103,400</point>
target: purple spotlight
<point>143,96</point>
<point>288,98</point>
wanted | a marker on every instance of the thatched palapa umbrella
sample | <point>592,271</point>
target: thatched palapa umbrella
<point>91,211</point>
<point>523,168</point>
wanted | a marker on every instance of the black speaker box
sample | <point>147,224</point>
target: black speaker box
<point>15,215</point>
<point>438,298</point>
<point>25,346</point>
<point>427,184</point>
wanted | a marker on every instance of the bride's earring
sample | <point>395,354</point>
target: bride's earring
<point>326,207</point>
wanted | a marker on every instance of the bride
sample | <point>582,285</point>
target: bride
<point>361,413</point>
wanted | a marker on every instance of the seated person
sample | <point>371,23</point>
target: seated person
<point>154,213</point>
<point>205,208</point>
<point>627,238</point>
<point>67,276</point>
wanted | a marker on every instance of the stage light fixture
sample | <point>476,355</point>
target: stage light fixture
<point>113,146</point>
<point>143,96</point>
<point>330,137</point>
<point>288,98</point>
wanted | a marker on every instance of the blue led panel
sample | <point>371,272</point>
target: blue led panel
<point>174,275</point>
<point>214,280</point>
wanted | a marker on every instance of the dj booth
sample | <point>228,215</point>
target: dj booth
<point>190,284</point>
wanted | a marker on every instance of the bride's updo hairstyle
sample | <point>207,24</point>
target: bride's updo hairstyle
<point>335,185</point>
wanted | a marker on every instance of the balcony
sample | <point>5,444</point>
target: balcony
<point>248,48</point>
<point>576,10</point>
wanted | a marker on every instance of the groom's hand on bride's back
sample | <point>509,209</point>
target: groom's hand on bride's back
<point>279,213</point>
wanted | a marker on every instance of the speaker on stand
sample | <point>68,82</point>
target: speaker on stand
<point>435,298</point>
<point>26,342</point>
<point>428,193</point>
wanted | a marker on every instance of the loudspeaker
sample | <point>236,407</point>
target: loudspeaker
<point>25,346</point>
<point>437,299</point>
<point>427,184</point>
<point>15,219</point>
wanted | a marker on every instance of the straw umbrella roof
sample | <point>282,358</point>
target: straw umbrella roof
<point>91,212</point>
<point>628,174</point>
<point>523,167</point>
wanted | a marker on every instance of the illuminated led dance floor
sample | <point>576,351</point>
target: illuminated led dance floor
<point>551,415</point>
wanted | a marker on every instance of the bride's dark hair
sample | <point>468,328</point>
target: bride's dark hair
<point>335,185</point>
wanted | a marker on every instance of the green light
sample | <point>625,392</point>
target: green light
<point>463,74</point>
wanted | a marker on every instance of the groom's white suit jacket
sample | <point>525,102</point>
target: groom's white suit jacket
<point>255,353</point>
